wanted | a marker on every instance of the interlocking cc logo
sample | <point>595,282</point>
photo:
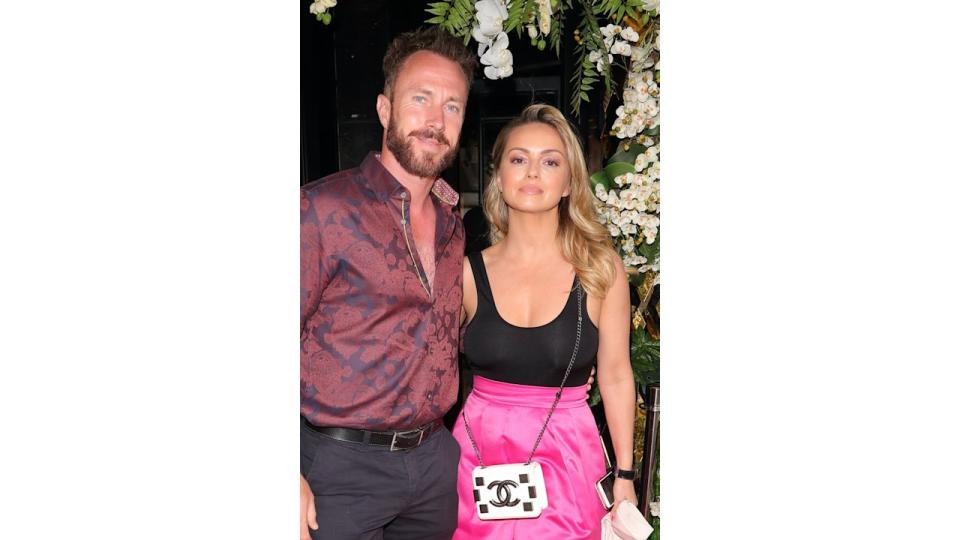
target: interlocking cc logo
<point>504,495</point>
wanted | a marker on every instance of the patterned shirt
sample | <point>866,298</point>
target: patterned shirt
<point>378,349</point>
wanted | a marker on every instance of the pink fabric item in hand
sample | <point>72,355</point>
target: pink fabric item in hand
<point>625,522</point>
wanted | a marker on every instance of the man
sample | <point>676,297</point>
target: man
<point>380,295</point>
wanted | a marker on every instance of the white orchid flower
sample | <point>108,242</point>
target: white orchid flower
<point>481,38</point>
<point>610,30</point>
<point>651,5</point>
<point>620,47</point>
<point>597,57</point>
<point>629,34</point>
<point>319,6</point>
<point>545,24</point>
<point>651,122</point>
<point>641,163</point>
<point>490,15</point>
<point>545,12</point>
<point>650,108</point>
<point>654,170</point>
<point>498,59</point>
<point>494,73</point>
<point>641,54</point>
<point>644,92</point>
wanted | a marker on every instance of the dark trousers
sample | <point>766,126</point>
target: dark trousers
<point>365,492</point>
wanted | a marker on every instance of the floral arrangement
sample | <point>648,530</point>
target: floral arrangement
<point>628,188</point>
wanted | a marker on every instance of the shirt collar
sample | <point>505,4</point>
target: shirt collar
<point>387,187</point>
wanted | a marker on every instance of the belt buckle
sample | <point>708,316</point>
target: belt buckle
<point>404,434</point>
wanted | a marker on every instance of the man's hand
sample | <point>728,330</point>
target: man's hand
<point>308,512</point>
<point>593,371</point>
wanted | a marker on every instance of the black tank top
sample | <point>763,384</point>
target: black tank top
<point>536,356</point>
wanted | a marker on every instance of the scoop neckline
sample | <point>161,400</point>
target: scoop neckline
<point>496,309</point>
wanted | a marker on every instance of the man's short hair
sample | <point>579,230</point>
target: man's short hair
<point>433,39</point>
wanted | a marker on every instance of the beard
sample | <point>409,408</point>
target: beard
<point>426,165</point>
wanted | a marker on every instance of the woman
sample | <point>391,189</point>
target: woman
<point>549,256</point>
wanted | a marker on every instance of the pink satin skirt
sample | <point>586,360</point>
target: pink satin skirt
<point>505,419</point>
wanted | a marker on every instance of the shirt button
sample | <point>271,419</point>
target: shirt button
<point>429,395</point>
<point>403,195</point>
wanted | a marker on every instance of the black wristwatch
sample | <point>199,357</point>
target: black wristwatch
<point>627,475</point>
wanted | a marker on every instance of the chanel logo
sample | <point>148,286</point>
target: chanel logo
<point>504,495</point>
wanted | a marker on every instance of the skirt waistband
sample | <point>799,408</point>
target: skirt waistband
<point>528,396</point>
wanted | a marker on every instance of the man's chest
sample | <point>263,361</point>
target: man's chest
<point>425,240</point>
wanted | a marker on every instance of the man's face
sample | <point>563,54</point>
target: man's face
<point>425,113</point>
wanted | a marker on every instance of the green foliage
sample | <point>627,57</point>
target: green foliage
<point>618,168</point>
<point>611,171</point>
<point>599,177</point>
<point>518,13</point>
<point>454,16</point>
<point>645,358</point>
<point>585,75</point>
<point>645,361</point>
<point>650,251</point>
<point>627,154</point>
<point>616,9</point>
<point>559,20</point>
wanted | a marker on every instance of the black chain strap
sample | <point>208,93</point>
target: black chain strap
<point>556,399</point>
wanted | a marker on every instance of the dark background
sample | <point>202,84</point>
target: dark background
<point>341,75</point>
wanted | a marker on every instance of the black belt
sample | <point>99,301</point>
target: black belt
<point>395,440</point>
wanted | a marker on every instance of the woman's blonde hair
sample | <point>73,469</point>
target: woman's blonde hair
<point>583,240</point>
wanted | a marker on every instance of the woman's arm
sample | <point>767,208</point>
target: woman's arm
<point>615,378</point>
<point>469,306</point>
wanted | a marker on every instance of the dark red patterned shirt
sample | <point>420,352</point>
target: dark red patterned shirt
<point>377,349</point>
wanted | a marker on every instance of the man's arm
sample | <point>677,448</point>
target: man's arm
<point>313,280</point>
<point>313,276</point>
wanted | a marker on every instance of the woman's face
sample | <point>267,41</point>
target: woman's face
<point>534,173</point>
